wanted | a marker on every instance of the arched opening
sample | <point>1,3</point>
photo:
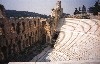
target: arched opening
<point>35,23</point>
<point>23,24</point>
<point>38,21</point>
<point>43,23</point>
<point>13,26</point>
<point>29,23</point>
<point>18,28</point>
<point>36,36</point>
<point>36,32</point>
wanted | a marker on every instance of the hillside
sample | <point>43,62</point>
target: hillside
<point>14,13</point>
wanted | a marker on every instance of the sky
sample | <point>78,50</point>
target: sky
<point>45,6</point>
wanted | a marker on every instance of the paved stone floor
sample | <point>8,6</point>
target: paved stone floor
<point>54,63</point>
<point>79,40</point>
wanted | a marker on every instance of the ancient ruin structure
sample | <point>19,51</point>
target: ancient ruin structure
<point>7,35</point>
<point>78,42</point>
<point>57,13</point>
<point>75,39</point>
<point>17,34</point>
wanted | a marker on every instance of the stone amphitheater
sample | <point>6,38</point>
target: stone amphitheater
<point>78,41</point>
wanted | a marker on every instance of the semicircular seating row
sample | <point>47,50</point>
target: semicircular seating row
<point>79,40</point>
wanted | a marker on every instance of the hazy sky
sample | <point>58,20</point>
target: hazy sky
<point>45,6</point>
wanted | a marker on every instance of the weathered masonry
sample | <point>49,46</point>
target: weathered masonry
<point>17,34</point>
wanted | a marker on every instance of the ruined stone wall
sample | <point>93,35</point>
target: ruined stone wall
<point>56,14</point>
<point>27,32</point>
<point>7,35</point>
<point>20,33</point>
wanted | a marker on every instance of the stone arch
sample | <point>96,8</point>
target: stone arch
<point>35,36</point>
<point>13,25</point>
<point>35,23</point>
<point>43,23</point>
<point>36,32</point>
<point>38,21</point>
<point>23,24</point>
<point>18,28</point>
<point>29,23</point>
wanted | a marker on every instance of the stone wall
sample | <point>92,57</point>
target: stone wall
<point>56,14</point>
<point>27,32</point>
<point>16,34</point>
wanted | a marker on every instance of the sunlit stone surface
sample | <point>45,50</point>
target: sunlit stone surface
<point>79,40</point>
